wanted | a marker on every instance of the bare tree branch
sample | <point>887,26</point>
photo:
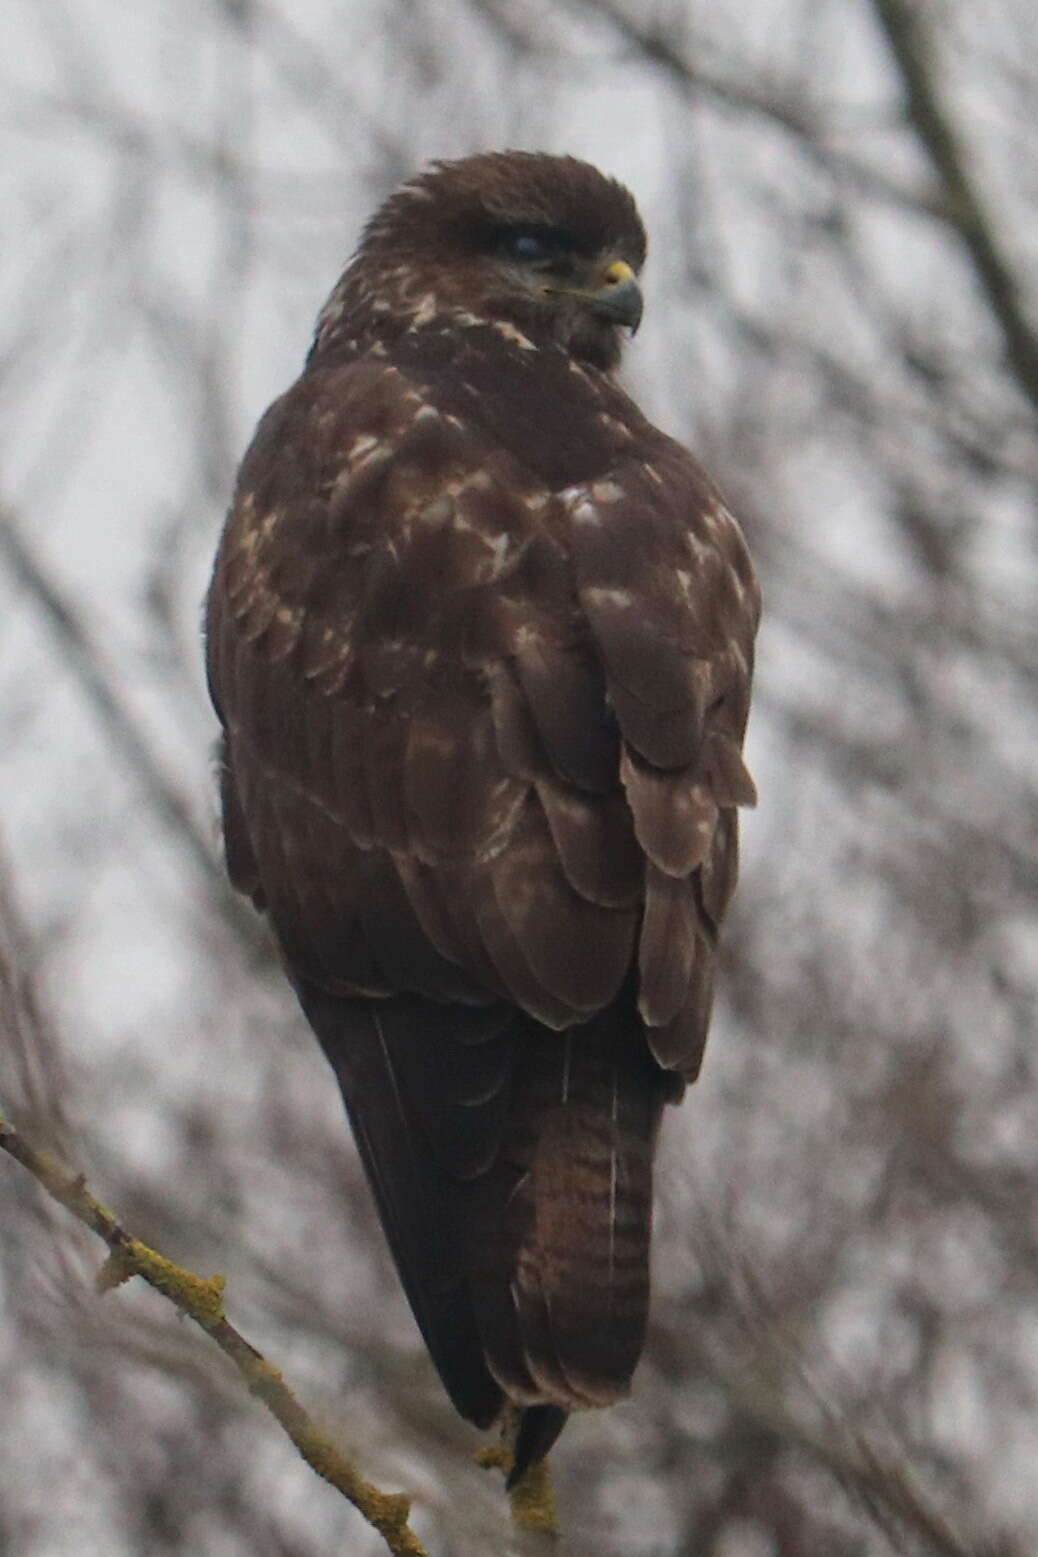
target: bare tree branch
<point>29,1043</point>
<point>965,211</point>
<point>842,325</point>
<point>203,1301</point>
<point>87,661</point>
<point>786,110</point>
<point>883,1481</point>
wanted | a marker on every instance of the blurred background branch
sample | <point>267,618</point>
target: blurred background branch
<point>841,321</point>
<point>915,53</point>
<point>203,1301</point>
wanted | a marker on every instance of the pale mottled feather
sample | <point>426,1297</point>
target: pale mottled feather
<point>480,639</point>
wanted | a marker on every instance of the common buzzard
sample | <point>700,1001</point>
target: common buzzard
<point>480,639</point>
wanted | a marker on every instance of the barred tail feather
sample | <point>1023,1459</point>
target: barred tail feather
<point>512,1169</point>
<point>560,1226</point>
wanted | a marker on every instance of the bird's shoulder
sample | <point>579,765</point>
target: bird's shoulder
<point>460,496</point>
<point>447,638</point>
<point>467,414</point>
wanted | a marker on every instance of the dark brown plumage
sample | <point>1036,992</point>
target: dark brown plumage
<point>480,638</point>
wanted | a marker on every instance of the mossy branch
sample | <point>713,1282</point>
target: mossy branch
<point>532,1499</point>
<point>202,1301</point>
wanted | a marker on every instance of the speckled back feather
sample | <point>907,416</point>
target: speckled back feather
<point>481,641</point>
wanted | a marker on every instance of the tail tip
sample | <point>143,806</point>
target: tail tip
<point>539,1426</point>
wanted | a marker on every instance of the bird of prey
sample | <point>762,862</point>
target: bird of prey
<point>480,639</point>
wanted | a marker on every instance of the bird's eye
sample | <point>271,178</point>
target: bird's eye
<point>531,245</point>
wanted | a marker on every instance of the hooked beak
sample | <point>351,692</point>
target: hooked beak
<point>617,296</point>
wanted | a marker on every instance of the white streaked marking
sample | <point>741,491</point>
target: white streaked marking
<point>585,512</point>
<point>612,1180</point>
<point>606,491</point>
<point>375,1017</point>
<point>510,333</point>
<point>622,599</point>
<point>499,548</point>
<point>428,308</point>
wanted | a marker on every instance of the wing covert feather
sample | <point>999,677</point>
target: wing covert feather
<point>407,657</point>
<point>480,639</point>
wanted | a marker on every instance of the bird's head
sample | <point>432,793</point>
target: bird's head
<point>545,244</point>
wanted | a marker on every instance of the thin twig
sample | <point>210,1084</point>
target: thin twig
<point>32,1056</point>
<point>87,661</point>
<point>959,206</point>
<point>786,110</point>
<point>880,1477</point>
<point>965,211</point>
<point>202,1301</point>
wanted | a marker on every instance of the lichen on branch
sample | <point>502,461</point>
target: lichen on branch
<point>201,1299</point>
